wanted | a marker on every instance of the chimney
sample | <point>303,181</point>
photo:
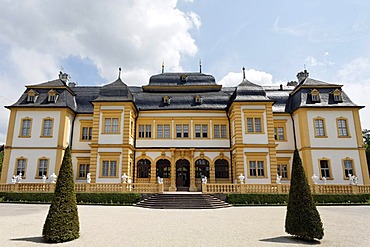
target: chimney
<point>72,84</point>
<point>64,77</point>
<point>301,76</point>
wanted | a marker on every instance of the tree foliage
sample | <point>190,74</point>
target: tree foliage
<point>62,223</point>
<point>366,136</point>
<point>302,218</point>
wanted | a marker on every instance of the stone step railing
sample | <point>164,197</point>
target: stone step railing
<point>282,189</point>
<point>86,187</point>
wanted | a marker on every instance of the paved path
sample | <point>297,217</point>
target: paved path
<point>21,225</point>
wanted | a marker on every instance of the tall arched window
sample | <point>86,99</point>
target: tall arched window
<point>201,168</point>
<point>163,168</point>
<point>221,168</point>
<point>143,168</point>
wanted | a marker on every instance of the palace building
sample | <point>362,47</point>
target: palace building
<point>182,127</point>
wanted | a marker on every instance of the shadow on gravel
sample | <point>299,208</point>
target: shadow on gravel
<point>30,239</point>
<point>289,240</point>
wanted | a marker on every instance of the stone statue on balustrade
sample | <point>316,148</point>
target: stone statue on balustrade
<point>88,178</point>
<point>324,180</point>
<point>314,178</point>
<point>53,178</point>
<point>352,179</point>
<point>18,178</point>
<point>14,179</point>
<point>124,178</point>
<point>278,179</point>
<point>241,178</point>
<point>44,178</point>
<point>204,180</point>
<point>159,180</point>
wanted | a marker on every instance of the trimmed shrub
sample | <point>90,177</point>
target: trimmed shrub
<point>62,223</point>
<point>108,198</point>
<point>246,199</point>
<point>302,218</point>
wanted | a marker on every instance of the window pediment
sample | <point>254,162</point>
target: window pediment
<point>337,95</point>
<point>52,96</point>
<point>32,96</point>
<point>315,95</point>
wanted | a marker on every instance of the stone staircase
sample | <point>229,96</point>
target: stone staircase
<point>182,201</point>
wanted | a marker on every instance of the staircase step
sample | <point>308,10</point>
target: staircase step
<point>182,201</point>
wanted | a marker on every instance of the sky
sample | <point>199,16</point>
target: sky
<point>273,40</point>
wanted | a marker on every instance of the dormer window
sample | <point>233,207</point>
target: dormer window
<point>31,96</point>
<point>52,96</point>
<point>166,100</point>
<point>183,78</point>
<point>315,95</point>
<point>337,95</point>
<point>198,99</point>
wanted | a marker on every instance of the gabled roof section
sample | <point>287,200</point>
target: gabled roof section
<point>301,95</point>
<point>115,91</point>
<point>247,91</point>
<point>182,82</point>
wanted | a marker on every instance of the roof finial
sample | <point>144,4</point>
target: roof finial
<point>243,73</point>
<point>162,67</point>
<point>119,73</point>
<point>200,65</point>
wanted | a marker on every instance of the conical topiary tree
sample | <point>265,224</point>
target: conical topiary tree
<point>62,222</point>
<point>302,218</point>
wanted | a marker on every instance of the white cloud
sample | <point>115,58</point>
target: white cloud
<point>312,61</point>
<point>254,76</point>
<point>36,36</point>
<point>355,76</point>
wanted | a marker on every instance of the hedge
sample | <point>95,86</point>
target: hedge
<point>82,198</point>
<point>248,199</point>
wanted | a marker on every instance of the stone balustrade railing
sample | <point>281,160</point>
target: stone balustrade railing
<point>282,189</point>
<point>86,187</point>
<point>208,188</point>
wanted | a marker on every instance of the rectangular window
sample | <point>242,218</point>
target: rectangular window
<point>21,166</point>
<point>204,130</point>
<point>84,169</point>
<point>282,170</point>
<point>148,131</point>
<point>178,131</point>
<point>342,127</point>
<point>223,131</point>
<point>109,168</point>
<point>111,125</point>
<point>141,131</point>
<point>43,167</point>
<point>48,127</point>
<point>216,131</point>
<point>348,168</point>
<point>166,131</point>
<point>185,129</point>
<point>26,127</point>
<point>324,168</point>
<point>254,125</point>
<point>256,168</point>
<point>252,169</point>
<point>319,128</point>
<point>159,131</point>
<point>279,133</point>
<point>197,130</point>
<point>86,133</point>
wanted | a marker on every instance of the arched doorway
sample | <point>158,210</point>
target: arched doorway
<point>182,173</point>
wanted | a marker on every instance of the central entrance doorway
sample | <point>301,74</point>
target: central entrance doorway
<point>182,174</point>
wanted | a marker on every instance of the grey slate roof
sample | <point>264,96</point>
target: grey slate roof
<point>115,91</point>
<point>171,79</point>
<point>248,91</point>
<point>286,98</point>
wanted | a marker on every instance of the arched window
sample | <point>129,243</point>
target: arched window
<point>143,168</point>
<point>221,168</point>
<point>201,168</point>
<point>163,168</point>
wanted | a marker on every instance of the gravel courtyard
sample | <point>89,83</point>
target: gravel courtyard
<point>21,225</point>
